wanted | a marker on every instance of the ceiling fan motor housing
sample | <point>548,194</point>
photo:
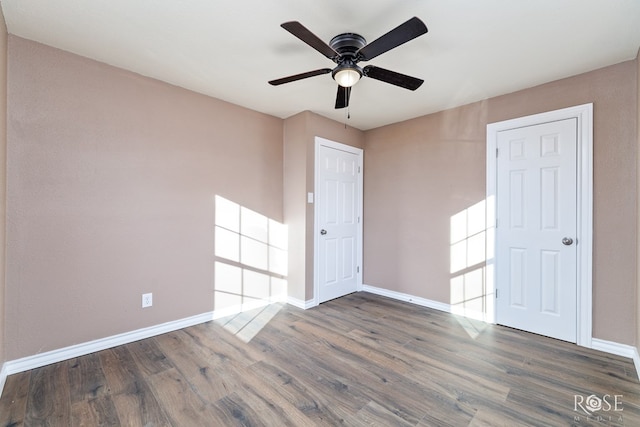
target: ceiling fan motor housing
<point>347,45</point>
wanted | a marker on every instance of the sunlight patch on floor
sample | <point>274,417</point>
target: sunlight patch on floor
<point>248,324</point>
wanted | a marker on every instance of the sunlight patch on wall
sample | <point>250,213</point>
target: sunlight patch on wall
<point>251,260</point>
<point>470,249</point>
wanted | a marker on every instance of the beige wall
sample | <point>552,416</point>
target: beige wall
<point>3,176</point>
<point>299,148</point>
<point>421,172</point>
<point>112,179</point>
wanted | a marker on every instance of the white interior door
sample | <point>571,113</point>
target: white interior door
<point>536,271</point>
<point>338,216</point>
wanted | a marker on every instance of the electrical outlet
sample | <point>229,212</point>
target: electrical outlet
<point>147,300</point>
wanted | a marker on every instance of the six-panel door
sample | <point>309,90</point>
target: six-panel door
<point>535,235</point>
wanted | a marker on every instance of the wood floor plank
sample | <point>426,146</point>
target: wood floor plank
<point>120,369</point>
<point>495,418</point>
<point>86,378</point>
<point>13,403</point>
<point>135,403</point>
<point>232,410</point>
<point>317,406</point>
<point>462,387</point>
<point>370,384</point>
<point>97,411</point>
<point>363,352</point>
<point>49,401</point>
<point>374,414</point>
<point>209,380</point>
<point>583,378</point>
<point>182,405</point>
<point>260,393</point>
<point>331,317</point>
<point>148,357</point>
<point>256,404</point>
<point>549,411</point>
<point>331,385</point>
<point>510,342</point>
<point>137,406</point>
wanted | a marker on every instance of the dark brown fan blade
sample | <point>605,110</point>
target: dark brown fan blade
<point>392,77</point>
<point>300,76</point>
<point>403,33</point>
<point>301,32</point>
<point>342,98</point>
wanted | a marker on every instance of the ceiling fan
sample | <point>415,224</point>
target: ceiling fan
<point>347,49</point>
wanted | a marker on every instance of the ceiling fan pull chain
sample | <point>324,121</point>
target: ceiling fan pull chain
<point>348,114</point>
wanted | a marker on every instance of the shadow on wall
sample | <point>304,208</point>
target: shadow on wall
<point>471,283</point>
<point>250,268</point>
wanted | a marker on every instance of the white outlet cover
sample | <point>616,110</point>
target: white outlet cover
<point>147,300</point>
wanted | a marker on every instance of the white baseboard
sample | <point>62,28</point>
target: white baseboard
<point>3,377</point>
<point>408,298</point>
<point>618,349</point>
<point>304,305</point>
<point>53,356</point>
<point>612,347</point>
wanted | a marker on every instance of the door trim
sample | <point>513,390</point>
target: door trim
<point>584,115</point>
<point>316,227</point>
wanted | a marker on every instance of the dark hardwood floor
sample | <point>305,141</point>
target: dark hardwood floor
<point>358,360</point>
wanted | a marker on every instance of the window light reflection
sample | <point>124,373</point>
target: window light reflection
<point>251,260</point>
<point>470,246</point>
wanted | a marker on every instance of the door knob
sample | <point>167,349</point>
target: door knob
<point>323,232</point>
<point>567,241</point>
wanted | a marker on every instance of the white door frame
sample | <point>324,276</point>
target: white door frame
<point>584,239</point>
<point>316,213</point>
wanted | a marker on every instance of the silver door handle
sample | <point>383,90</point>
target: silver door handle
<point>323,232</point>
<point>567,241</point>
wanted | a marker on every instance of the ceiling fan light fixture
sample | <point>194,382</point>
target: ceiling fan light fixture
<point>347,76</point>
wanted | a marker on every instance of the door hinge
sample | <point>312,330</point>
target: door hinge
<point>496,294</point>
<point>358,169</point>
<point>358,269</point>
<point>496,152</point>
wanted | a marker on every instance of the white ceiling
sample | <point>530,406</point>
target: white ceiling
<point>475,49</point>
